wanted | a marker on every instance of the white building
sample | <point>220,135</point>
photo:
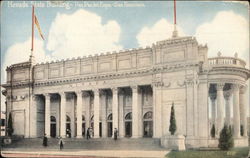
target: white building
<point>133,91</point>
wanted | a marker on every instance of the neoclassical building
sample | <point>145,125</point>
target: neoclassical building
<point>133,91</point>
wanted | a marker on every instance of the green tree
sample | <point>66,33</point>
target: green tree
<point>172,126</point>
<point>212,132</point>
<point>10,129</point>
<point>241,130</point>
<point>226,139</point>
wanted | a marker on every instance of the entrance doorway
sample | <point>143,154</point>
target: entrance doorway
<point>52,126</point>
<point>110,125</point>
<point>83,126</point>
<point>128,125</point>
<point>68,129</point>
<point>148,124</point>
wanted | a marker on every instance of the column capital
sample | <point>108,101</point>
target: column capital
<point>96,91</point>
<point>62,93</point>
<point>114,90</point>
<point>220,86</point>
<point>235,87</point>
<point>46,95</point>
<point>78,93</point>
<point>227,94</point>
<point>189,83</point>
<point>243,89</point>
<point>134,88</point>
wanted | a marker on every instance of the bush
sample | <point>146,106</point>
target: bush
<point>241,130</point>
<point>212,132</point>
<point>226,139</point>
<point>172,126</point>
<point>10,129</point>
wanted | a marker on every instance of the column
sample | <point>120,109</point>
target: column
<point>213,108</point>
<point>227,96</point>
<point>236,111</point>
<point>121,114</point>
<point>104,114</point>
<point>220,107</point>
<point>157,110</point>
<point>63,115</point>
<point>79,114</point>
<point>96,113</point>
<point>115,108</point>
<point>47,114</point>
<point>190,128</point>
<point>87,110</point>
<point>243,103</point>
<point>135,132</point>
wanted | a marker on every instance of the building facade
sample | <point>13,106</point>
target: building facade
<point>133,91</point>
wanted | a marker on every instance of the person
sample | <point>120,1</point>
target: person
<point>45,140</point>
<point>115,133</point>
<point>91,133</point>
<point>88,133</point>
<point>61,143</point>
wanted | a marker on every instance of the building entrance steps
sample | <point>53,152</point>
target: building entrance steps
<point>91,144</point>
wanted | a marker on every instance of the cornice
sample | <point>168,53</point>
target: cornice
<point>157,69</point>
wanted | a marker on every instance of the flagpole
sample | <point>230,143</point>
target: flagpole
<point>175,33</point>
<point>32,34</point>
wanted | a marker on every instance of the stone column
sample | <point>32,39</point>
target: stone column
<point>243,103</point>
<point>236,111</point>
<point>96,113</point>
<point>213,108</point>
<point>190,128</point>
<point>87,110</point>
<point>63,115</point>
<point>220,107</point>
<point>121,129</point>
<point>79,114</point>
<point>227,96</point>
<point>157,110</point>
<point>115,108</point>
<point>47,114</point>
<point>135,132</point>
<point>104,114</point>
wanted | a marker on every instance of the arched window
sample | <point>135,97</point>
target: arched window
<point>148,116</point>
<point>67,118</point>
<point>128,116</point>
<point>52,119</point>
<point>110,117</point>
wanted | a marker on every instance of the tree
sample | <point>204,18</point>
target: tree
<point>172,126</point>
<point>241,130</point>
<point>226,139</point>
<point>10,129</point>
<point>212,132</point>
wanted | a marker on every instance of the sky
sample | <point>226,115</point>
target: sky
<point>73,29</point>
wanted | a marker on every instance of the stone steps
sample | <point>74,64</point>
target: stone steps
<point>92,144</point>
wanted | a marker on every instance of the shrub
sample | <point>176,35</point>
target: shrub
<point>172,126</point>
<point>10,129</point>
<point>226,139</point>
<point>212,132</point>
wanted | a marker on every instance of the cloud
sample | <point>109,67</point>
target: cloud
<point>82,33</point>
<point>161,30</point>
<point>228,32</point>
<point>20,52</point>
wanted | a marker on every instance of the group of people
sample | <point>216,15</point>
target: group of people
<point>60,142</point>
<point>89,134</point>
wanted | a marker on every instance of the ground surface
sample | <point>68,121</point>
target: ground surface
<point>234,153</point>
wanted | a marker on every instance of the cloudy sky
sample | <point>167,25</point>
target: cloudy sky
<point>73,29</point>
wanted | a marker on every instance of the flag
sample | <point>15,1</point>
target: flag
<point>38,27</point>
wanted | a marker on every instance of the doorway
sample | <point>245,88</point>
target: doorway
<point>52,126</point>
<point>110,125</point>
<point>128,125</point>
<point>68,129</point>
<point>148,124</point>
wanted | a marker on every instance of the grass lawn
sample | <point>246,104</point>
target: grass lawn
<point>234,153</point>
